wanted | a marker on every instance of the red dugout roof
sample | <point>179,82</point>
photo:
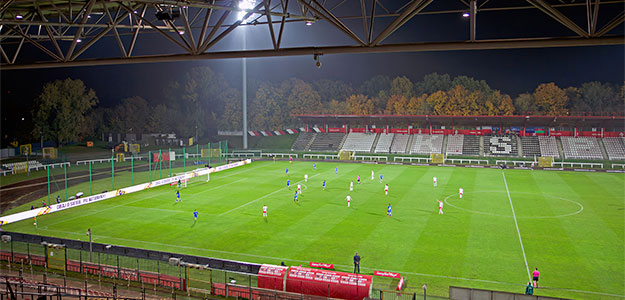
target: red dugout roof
<point>524,120</point>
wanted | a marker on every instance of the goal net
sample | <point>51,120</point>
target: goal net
<point>345,155</point>
<point>437,158</point>
<point>191,177</point>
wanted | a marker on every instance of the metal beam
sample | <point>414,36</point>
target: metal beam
<point>332,19</point>
<point>473,16</point>
<point>235,25</point>
<point>373,2</point>
<point>214,31</point>
<point>414,8</point>
<point>612,24</point>
<point>558,16</point>
<point>85,14</point>
<point>393,48</point>
<point>209,12</point>
<point>42,48</point>
<point>188,32</point>
<point>285,7</point>
<point>270,24</point>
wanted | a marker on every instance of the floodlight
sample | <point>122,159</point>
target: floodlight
<point>245,6</point>
<point>466,15</point>
<point>19,17</point>
<point>78,40</point>
<point>308,23</point>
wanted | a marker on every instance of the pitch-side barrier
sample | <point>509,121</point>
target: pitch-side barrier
<point>108,195</point>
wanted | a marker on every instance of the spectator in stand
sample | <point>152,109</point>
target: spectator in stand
<point>58,199</point>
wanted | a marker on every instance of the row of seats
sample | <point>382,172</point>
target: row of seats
<point>614,147</point>
<point>400,142</point>
<point>581,147</point>
<point>504,145</point>
<point>471,145</point>
<point>384,143</point>
<point>327,142</point>
<point>548,146</point>
<point>530,146</point>
<point>359,142</point>
<point>426,144</point>
<point>454,144</point>
<point>302,141</point>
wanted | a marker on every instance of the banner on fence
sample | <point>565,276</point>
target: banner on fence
<point>271,277</point>
<point>329,284</point>
<point>321,265</point>
<point>386,274</point>
<point>107,195</point>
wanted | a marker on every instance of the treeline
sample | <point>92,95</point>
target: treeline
<point>202,101</point>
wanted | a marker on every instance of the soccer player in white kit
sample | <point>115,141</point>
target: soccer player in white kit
<point>434,179</point>
<point>349,199</point>
<point>265,211</point>
<point>460,191</point>
<point>299,189</point>
<point>386,189</point>
<point>440,207</point>
<point>305,177</point>
<point>372,175</point>
<point>351,186</point>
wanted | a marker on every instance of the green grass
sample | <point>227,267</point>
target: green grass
<point>474,244</point>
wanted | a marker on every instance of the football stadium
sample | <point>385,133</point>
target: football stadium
<point>210,161</point>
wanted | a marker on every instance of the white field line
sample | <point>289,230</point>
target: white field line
<point>263,197</point>
<point>344,266</point>
<point>126,203</point>
<point>204,191</point>
<point>517,226</point>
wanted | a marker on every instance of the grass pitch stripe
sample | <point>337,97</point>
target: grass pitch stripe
<point>517,226</point>
<point>263,197</point>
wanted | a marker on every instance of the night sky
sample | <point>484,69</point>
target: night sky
<point>511,71</point>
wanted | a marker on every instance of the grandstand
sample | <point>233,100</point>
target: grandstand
<point>384,143</point>
<point>581,147</point>
<point>471,145</point>
<point>303,141</point>
<point>454,144</point>
<point>400,143</point>
<point>614,148</point>
<point>327,142</point>
<point>548,146</point>
<point>530,146</point>
<point>505,145</point>
<point>426,144</point>
<point>359,142</point>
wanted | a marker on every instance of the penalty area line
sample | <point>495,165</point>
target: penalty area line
<point>517,227</point>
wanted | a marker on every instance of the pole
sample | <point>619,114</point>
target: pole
<point>244,89</point>
<point>90,245</point>
<point>226,147</point>
<point>197,154</point>
<point>425,287</point>
<point>170,162</point>
<point>150,165</point>
<point>113,172</point>
<point>209,153</point>
<point>65,171</point>
<point>132,170</point>
<point>160,163</point>
<point>184,159</point>
<point>47,168</point>
<point>90,181</point>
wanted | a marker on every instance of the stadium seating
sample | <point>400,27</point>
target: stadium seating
<point>22,165</point>
<point>548,146</point>
<point>384,143</point>
<point>302,141</point>
<point>581,147</point>
<point>454,144</point>
<point>359,142</point>
<point>530,145</point>
<point>471,145</point>
<point>614,147</point>
<point>400,142</point>
<point>327,142</point>
<point>501,145</point>
<point>426,144</point>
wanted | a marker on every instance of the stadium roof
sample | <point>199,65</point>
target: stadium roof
<point>522,120</point>
<point>61,33</point>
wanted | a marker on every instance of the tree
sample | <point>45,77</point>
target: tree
<point>329,90</point>
<point>498,104</point>
<point>373,86</point>
<point>61,109</point>
<point>301,98</point>
<point>472,85</point>
<point>131,114</point>
<point>418,106</point>
<point>359,105</point>
<point>525,104</point>
<point>397,105</point>
<point>598,97</point>
<point>437,101</point>
<point>402,86</point>
<point>551,100</point>
<point>432,83</point>
<point>336,107</point>
<point>269,110</point>
<point>232,117</point>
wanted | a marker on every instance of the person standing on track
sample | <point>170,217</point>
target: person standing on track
<point>357,263</point>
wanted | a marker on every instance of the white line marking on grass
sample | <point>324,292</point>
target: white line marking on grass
<point>204,191</point>
<point>263,197</point>
<point>344,266</point>
<point>517,226</point>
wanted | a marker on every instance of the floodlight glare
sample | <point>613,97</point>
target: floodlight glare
<point>245,6</point>
<point>308,23</point>
<point>19,17</point>
<point>466,14</point>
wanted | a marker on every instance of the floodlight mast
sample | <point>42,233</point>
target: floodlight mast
<point>245,6</point>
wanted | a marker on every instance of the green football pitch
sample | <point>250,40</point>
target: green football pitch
<point>568,225</point>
